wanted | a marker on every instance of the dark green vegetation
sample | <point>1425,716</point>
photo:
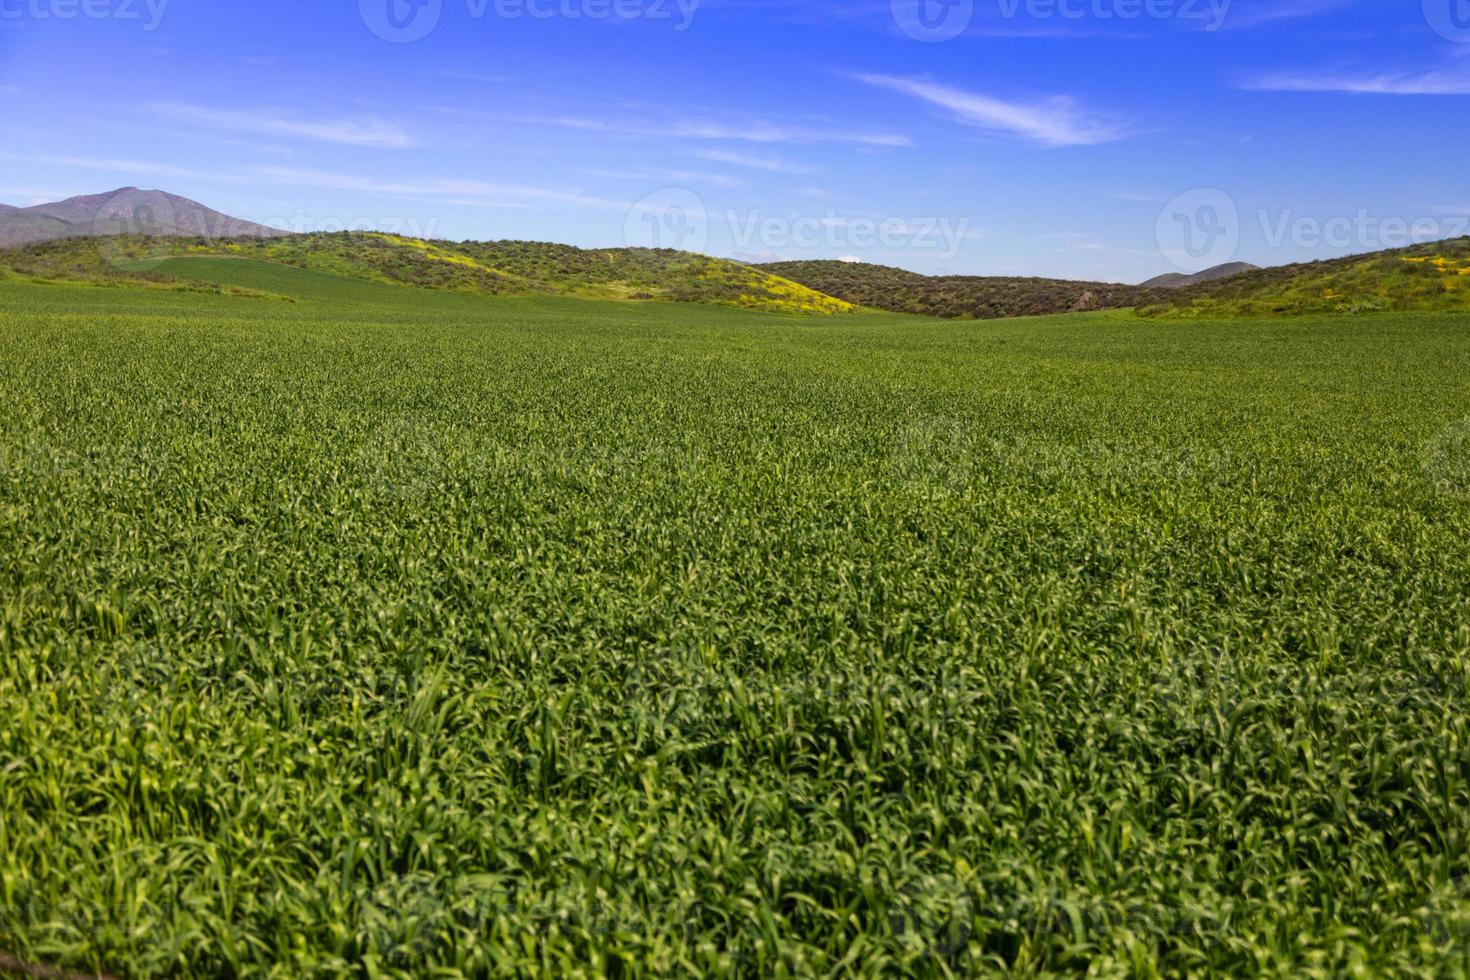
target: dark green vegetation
<point>972,297</point>
<point>1430,277</point>
<point>391,629</point>
<point>494,268</point>
<point>1435,276</point>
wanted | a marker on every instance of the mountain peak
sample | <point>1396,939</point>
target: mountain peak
<point>1178,280</point>
<point>125,211</point>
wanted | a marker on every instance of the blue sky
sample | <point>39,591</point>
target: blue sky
<point>1088,139</point>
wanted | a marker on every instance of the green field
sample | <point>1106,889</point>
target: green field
<point>389,630</point>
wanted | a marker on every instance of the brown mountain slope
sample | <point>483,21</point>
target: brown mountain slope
<point>1178,280</point>
<point>127,210</point>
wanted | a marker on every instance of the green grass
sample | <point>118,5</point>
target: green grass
<point>386,631</point>
<point>485,268</point>
<point>1431,277</point>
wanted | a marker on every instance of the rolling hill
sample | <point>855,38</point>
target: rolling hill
<point>127,210</point>
<point>1432,276</point>
<point>492,268</point>
<point>1178,280</point>
<point>953,297</point>
<point>141,235</point>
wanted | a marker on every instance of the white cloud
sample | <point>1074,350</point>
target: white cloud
<point>850,259</point>
<point>458,191</point>
<point>751,132</point>
<point>1453,80</point>
<point>473,76</point>
<point>1241,16</point>
<point>1056,122</point>
<point>349,132</point>
<point>668,176</point>
<point>752,162</point>
<point>120,167</point>
<point>26,197</point>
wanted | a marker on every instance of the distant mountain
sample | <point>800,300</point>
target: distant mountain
<point>973,297</point>
<point>127,210</point>
<point>1178,280</point>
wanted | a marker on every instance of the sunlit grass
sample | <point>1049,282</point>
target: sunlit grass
<point>392,632</point>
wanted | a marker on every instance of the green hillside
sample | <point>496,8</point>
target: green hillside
<point>968,297</point>
<point>1434,276</point>
<point>489,268</point>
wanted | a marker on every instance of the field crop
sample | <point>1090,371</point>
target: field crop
<point>398,632</point>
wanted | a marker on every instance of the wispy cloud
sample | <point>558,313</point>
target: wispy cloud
<point>1242,16</point>
<point>349,132</point>
<point>474,76</point>
<point>28,197</point>
<point>1054,122</point>
<point>757,131</point>
<point>1454,80</point>
<point>1075,241</point>
<point>667,176</point>
<point>111,165</point>
<point>470,192</point>
<point>752,162</point>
